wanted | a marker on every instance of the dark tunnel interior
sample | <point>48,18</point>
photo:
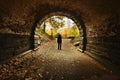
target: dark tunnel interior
<point>99,22</point>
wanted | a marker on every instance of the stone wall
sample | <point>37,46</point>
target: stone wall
<point>105,47</point>
<point>101,19</point>
<point>13,44</point>
<point>103,39</point>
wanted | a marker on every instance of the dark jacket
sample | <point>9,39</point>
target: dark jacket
<point>59,39</point>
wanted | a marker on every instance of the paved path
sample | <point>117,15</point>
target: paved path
<point>48,63</point>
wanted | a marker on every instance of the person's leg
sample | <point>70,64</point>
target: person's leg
<point>60,46</point>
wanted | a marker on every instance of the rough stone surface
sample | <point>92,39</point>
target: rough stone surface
<point>12,45</point>
<point>101,19</point>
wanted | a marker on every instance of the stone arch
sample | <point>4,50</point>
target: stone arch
<point>70,14</point>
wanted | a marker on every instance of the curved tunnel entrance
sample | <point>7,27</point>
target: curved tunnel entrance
<point>67,25</point>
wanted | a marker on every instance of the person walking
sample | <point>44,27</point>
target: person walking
<point>59,41</point>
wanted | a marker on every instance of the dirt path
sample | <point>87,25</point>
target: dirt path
<point>48,63</point>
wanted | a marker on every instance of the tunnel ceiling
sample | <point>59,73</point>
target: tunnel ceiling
<point>20,15</point>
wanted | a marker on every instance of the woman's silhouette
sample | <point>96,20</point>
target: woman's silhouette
<point>59,41</point>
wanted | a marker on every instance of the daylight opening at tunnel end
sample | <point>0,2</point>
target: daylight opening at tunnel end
<point>54,25</point>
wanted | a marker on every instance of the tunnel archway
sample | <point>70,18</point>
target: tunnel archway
<point>100,37</point>
<point>77,20</point>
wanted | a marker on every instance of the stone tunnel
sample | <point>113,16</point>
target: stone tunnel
<point>99,21</point>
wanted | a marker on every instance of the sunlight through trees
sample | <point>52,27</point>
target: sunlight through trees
<point>59,24</point>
